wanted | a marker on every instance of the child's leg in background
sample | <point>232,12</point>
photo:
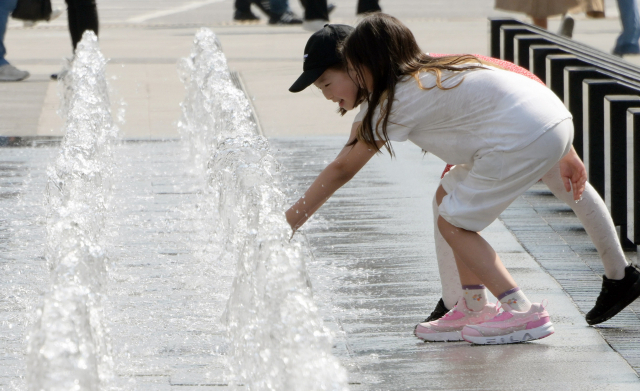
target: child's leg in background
<point>595,218</point>
<point>449,278</point>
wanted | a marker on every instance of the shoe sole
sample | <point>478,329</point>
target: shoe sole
<point>450,336</point>
<point>613,311</point>
<point>516,337</point>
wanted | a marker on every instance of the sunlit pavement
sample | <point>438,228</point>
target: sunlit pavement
<point>373,266</point>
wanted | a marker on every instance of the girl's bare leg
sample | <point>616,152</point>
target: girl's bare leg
<point>477,262</point>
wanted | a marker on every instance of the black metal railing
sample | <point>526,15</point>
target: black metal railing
<point>603,94</point>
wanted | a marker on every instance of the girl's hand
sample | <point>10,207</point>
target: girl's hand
<point>573,173</point>
<point>289,218</point>
<point>348,162</point>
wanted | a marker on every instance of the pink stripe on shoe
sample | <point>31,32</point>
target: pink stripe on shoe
<point>505,315</point>
<point>537,323</point>
<point>453,315</point>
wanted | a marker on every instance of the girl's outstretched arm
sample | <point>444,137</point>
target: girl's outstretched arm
<point>347,164</point>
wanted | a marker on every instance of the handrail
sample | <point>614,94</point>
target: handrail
<point>603,94</point>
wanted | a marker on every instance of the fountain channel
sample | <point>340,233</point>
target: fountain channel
<point>156,265</point>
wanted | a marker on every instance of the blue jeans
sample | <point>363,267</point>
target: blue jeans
<point>6,8</point>
<point>627,42</point>
<point>278,7</point>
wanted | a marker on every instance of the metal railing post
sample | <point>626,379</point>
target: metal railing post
<point>521,45</point>
<point>606,124</point>
<point>537,58</point>
<point>593,94</point>
<point>615,159</point>
<point>554,70</point>
<point>633,174</point>
<point>573,77</point>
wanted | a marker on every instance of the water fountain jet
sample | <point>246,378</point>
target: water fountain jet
<point>277,340</point>
<point>68,347</point>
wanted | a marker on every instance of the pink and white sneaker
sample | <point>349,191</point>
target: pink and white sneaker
<point>449,326</point>
<point>511,326</point>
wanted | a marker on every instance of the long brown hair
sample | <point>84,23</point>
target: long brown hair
<point>387,49</point>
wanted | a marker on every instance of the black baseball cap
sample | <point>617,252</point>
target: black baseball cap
<point>320,53</point>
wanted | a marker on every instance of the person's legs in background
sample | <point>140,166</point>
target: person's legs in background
<point>7,71</point>
<point>243,11</point>
<point>282,14</point>
<point>594,9</point>
<point>367,6</point>
<point>566,26</point>
<point>83,16</point>
<point>540,22</point>
<point>316,14</point>
<point>627,42</point>
<point>6,8</point>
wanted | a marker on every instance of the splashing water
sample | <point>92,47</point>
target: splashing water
<point>276,337</point>
<point>68,348</point>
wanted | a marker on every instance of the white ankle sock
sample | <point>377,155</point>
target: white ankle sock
<point>475,296</point>
<point>516,299</point>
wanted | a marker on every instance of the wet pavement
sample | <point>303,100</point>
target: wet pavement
<point>372,268</point>
<point>164,300</point>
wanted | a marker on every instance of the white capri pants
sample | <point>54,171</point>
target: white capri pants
<point>478,193</point>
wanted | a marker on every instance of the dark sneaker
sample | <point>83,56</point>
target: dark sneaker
<point>287,18</point>
<point>245,16</point>
<point>436,314</point>
<point>615,295</point>
<point>60,75</point>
